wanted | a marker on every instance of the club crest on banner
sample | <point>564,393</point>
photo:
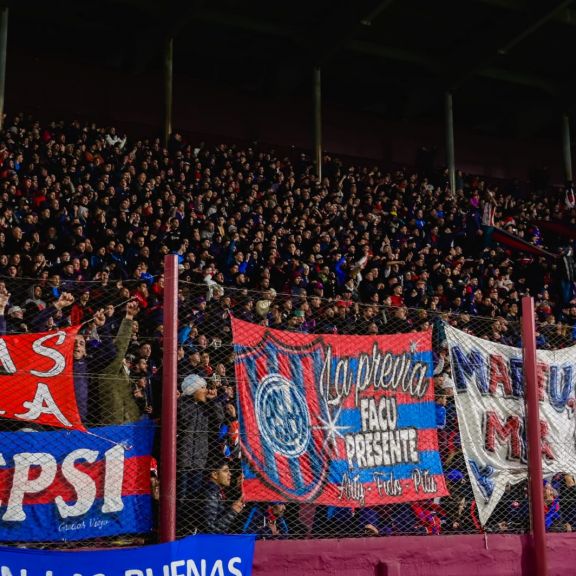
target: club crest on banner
<point>282,416</point>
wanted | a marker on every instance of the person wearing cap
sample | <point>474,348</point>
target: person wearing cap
<point>15,320</point>
<point>199,418</point>
<point>215,515</point>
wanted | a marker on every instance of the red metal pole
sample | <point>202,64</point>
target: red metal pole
<point>536,483</point>
<point>168,416</point>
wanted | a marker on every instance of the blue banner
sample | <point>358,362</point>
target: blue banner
<point>71,485</point>
<point>200,555</point>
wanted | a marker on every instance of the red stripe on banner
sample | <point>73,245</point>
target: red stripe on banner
<point>315,411</point>
<point>244,387</point>
<point>310,386</point>
<point>282,463</point>
<point>306,467</point>
<point>252,336</point>
<point>283,468</point>
<point>261,370</point>
<point>136,481</point>
<point>427,440</point>
<point>261,364</point>
<point>401,397</point>
<point>257,491</point>
<point>409,492</point>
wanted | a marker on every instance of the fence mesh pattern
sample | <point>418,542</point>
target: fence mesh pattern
<point>205,350</point>
<point>117,371</point>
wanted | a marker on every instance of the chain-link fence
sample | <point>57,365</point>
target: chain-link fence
<point>209,441</point>
<point>61,486</point>
<point>80,398</point>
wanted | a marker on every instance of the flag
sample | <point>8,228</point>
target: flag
<point>61,485</point>
<point>336,420</point>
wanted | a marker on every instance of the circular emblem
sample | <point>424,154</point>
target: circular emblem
<point>282,416</point>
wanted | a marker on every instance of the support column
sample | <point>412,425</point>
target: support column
<point>168,79</point>
<point>536,487</point>
<point>449,119</point>
<point>3,48</point>
<point>168,419</point>
<point>318,121</point>
<point>566,148</point>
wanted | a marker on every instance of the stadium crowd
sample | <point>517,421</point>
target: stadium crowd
<point>87,215</point>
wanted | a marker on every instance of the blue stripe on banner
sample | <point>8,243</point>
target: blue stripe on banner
<point>241,350</point>
<point>350,417</point>
<point>43,522</point>
<point>421,416</point>
<point>137,439</point>
<point>271,467</point>
<point>298,380</point>
<point>429,460</point>
<point>317,463</point>
<point>427,358</point>
<point>247,470</point>
<point>269,460</point>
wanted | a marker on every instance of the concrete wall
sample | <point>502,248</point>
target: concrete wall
<point>495,555</point>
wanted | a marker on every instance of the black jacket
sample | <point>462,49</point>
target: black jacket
<point>198,425</point>
<point>216,515</point>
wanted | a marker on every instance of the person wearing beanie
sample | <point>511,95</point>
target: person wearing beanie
<point>199,418</point>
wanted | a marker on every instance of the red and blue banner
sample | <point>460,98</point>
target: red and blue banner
<point>72,485</point>
<point>36,373</point>
<point>336,420</point>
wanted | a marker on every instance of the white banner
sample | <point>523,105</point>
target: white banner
<point>489,399</point>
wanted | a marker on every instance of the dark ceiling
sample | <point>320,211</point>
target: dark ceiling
<point>508,62</point>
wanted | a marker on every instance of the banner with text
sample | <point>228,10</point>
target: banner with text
<point>37,379</point>
<point>491,416</point>
<point>336,420</point>
<point>193,556</point>
<point>72,485</point>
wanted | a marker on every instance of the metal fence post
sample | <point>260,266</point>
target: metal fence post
<point>169,390</point>
<point>536,486</point>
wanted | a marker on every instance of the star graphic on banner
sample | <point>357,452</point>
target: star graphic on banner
<point>413,347</point>
<point>333,431</point>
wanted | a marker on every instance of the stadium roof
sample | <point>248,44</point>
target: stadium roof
<point>506,60</point>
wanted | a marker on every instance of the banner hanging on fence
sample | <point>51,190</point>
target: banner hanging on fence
<point>37,380</point>
<point>72,485</point>
<point>489,401</point>
<point>193,556</point>
<point>336,420</point>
